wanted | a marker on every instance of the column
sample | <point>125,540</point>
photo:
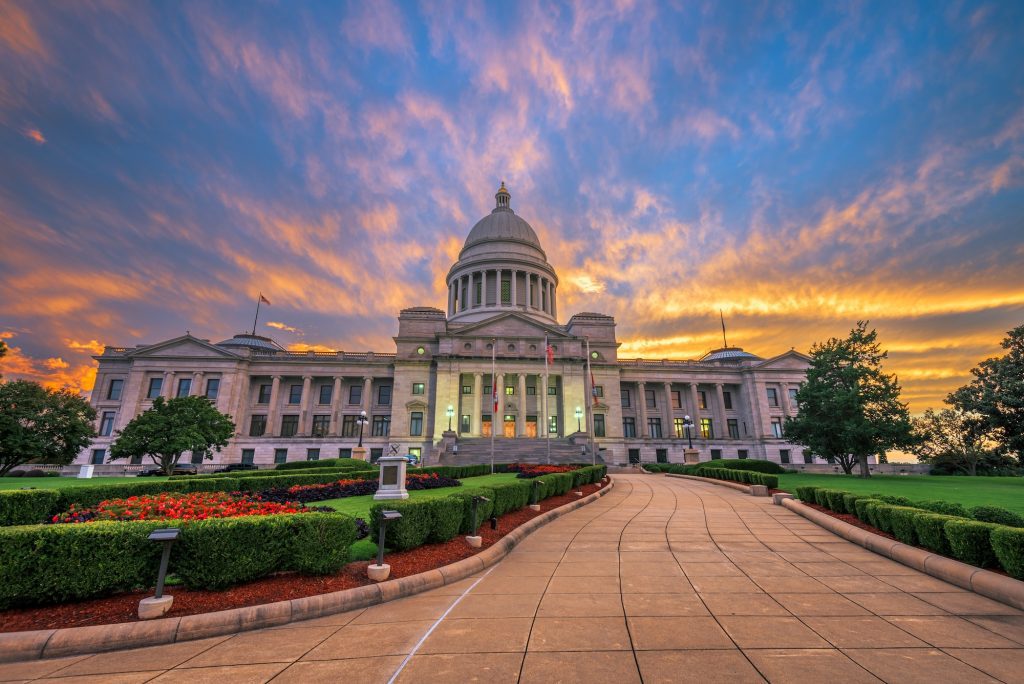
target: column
<point>784,398</point>
<point>695,416</point>
<point>642,405</point>
<point>542,296</point>
<point>335,407</point>
<point>720,430</point>
<point>521,418</point>
<point>275,392</point>
<point>554,302</point>
<point>668,429</point>
<point>305,429</point>
<point>451,298</point>
<point>367,399</point>
<point>243,401</point>
<point>529,286</point>
<point>168,389</point>
<point>197,384</point>
<point>478,403</point>
<point>515,300</point>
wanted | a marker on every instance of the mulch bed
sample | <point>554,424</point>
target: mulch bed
<point>279,587</point>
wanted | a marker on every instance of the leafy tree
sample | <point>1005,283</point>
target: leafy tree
<point>39,425</point>
<point>954,439</point>
<point>848,408</point>
<point>997,393</point>
<point>170,428</point>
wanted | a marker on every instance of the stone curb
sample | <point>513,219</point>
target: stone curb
<point>989,584</point>
<point>54,643</point>
<point>710,480</point>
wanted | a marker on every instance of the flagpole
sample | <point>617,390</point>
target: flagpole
<point>494,397</point>
<point>547,425</point>
<point>590,407</point>
<point>259,298</point>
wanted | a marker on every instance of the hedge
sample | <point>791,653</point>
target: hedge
<point>744,476</point>
<point>750,465</point>
<point>343,463</point>
<point>340,472</point>
<point>995,514</point>
<point>970,541</point>
<point>28,507</point>
<point>485,509</point>
<point>930,529</point>
<point>511,496</point>
<point>1008,544</point>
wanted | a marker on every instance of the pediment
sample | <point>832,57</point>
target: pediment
<point>185,346</point>
<point>416,405</point>
<point>791,360</point>
<point>510,325</point>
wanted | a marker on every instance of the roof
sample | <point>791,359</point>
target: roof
<point>502,225</point>
<point>729,354</point>
<point>252,342</point>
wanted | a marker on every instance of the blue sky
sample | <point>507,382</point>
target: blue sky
<point>798,166</point>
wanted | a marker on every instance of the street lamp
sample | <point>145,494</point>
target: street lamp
<point>579,414</point>
<point>688,423</point>
<point>450,412</point>
<point>379,572</point>
<point>158,604</point>
<point>362,421</point>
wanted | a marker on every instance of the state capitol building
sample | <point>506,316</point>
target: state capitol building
<point>432,396</point>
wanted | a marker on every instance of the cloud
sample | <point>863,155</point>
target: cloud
<point>91,346</point>
<point>54,372</point>
<point>282,326</point>
<point>35,135</point>
<point>17,32</point>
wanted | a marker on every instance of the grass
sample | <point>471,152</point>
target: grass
<point>1007,492</point>
<point>62,482</point>
<point>359,506</point>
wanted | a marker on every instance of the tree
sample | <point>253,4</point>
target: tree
<point>954,439</point>
<point>39,425</point>
<point>997,393</point>
<point>170,428</point>
<point>848,409</point>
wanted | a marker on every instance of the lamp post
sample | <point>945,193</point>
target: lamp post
<point>450,412</point>
<point>362,421</point>
<point>380,571</point>
<point>579,414</point>
<point>159,604</point>
<point>474,539</point>
<point>688,423</point>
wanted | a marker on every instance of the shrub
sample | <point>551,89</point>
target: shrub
<point>882,514</point>
<point>320,542</point>
<point>408,532</point>
<point>893,500</point>
<point>807,494</point>
<point>821,497</point>
<point>511,496</point>
<point>1008,544</point>
<point>338,463</point>
<point>970,541</point>
<point>213,554</point>
<point>28,507</point>
<point>446,518</point>
<point>485,509</point>
<point>834,500</point>
<point>867,511</point>
<point>850,502</point>
<point>930,529</point>
<point>770,481</point>
<point>943,507</point>
<point>995,514</point>
<point>902,523</point>
<point>750,465</point>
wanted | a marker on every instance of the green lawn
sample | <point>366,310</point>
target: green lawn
<point>1007,492</point>
<point>359,506</point>
<point>61,482</point>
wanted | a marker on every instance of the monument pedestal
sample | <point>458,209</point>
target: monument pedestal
<point>392,479</point>
<point>691,456</point>
<point>359,452</point>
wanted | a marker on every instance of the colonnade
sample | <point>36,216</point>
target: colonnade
<point>483,290</point>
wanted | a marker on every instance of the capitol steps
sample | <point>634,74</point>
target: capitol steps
<point>520,450</point>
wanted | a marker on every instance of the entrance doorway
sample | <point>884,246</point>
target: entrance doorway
<point>531,426</point>
<point>510,426</point>
<point>485,426</point>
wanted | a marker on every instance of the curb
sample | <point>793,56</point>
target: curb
<point>724,483</point>
<point>989,584</point>
<point>55,643</point>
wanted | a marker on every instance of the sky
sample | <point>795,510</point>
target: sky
<point>798,166</point>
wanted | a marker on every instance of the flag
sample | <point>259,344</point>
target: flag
<point>494,393</point>
<point>593,387</point>
<point>264,299</point>
<point>550,352</point>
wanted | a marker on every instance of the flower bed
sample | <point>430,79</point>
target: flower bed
<point>198,506</point>
<point>529,471</point>
<point>342,489</point>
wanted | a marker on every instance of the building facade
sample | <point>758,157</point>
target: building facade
<point>459,375</point>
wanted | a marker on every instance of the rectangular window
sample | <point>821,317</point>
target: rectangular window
<point>628,427</point>
<point>467,389</point>
<point>487,390</point>
<point>784,455</point>
<point>599,425</point>
<point>625,398</point>
<point>599,391</point>
<point>553,425</point>
<point>506,291</point>
<point>384,395</point>
<point>107,424</point>
<point>464,424</point>
<point>248,455</point>
<point>257,426</point>
<point>773,397</point>
<point>477,293</point>
<point>349,427</point>
<point>264,397</point>
<point>415,452</point>
<point>649,398</point>
<point>295,394</point>
<point>416,423</point>
<point>654,427</point>
<point>375,454</point>
<point>355,394</point>
<point>98,455</point>
<point>707,428</point>
<point>155,386</point>
<point>326,394</point>
<point>716,454</point>
<point>418,388</point>
<point>280,455</point>
<point>510,390</point>
<point>345,452</point>
<point>808,457</point>
<point>321,425</point>
<point>677,426</point>
<point>727,400</point>
<point>381,426</point>
<point>531,390</point>
<point>776,427</point>
<point>742,453</point>
<point>197,457</point>
<point>734,428</point>
<point>552,391</point>
<point>702,398</point>
<point>677,399</point>
<point>661,455</point>
<point>212,388</point>
<point>289,425</point>
<point>114,391</point>
<point>184,387</point>
<point>792,397</point>
<point>312,454</point>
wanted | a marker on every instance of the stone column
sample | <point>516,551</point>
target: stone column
<point>695,416</point>
<point>521,418</point>
<point>529,289</point>
<point>197,383</point>
<point>668,429</point>
<point>515,300</point>
<point>305,413</point>
<point>451,299</point>
<point>554,302</point>
<point>272,410</point>
<point>720,430</point>
<point>335,407</point>
<point>642,405</point>
<point>243,401</point>
<point>168,388</point>
<point>784,398</point>
<point>367,398</point>
<point>478,403</point>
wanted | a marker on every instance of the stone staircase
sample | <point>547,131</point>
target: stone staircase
<point>519,450</point>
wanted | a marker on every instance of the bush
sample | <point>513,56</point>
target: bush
<point>943,507</point>
<point>770,481</point>
<point>867,509</point>
<point>902,523</point>
<point>995,514</point>
<point>455,471</point>
<point>337,463</point>
<point>750,465</point>
<point>446,518</point>
<point>882,514</point>
<point>213,554</point>
<point>970,541</point>
<point>408,532</point>
<point>893,500</point>
<point>320,542</point>
<point>821,497</point>
<point>807,494</point>
<point>850,502</point>
<point>930,529</point>
<point>834,500</point>
<point>485,509</point>
<point>28,507</point>
<point>15,473</point>
<point>1008,544</point>
<point>511,496</point>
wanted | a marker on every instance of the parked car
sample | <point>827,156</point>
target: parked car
<point>178,470</point>
<point>232,467</point>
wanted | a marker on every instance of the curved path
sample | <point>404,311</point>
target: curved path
<point>662,580</point>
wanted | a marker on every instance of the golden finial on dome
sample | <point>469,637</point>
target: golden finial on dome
<point>503,196</point>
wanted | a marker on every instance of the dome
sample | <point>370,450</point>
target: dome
<point>254,342</point>
<point>729,354</point>
<point>502,225</point>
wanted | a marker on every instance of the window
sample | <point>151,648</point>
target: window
<point>716,454</point>
<point>677,399</point>
<point>355,394</point>
<point>212,388</point>
<point>248,455</point>
<point>312,454</point>
<point>381,426</point>
<point>776,427</point>
<point>531,390</point>
<point>415,452</point>
<point>345,452</point>
<point>654,427</point>
<point>349,427</point>
<point>599,425</point>
<point>734,429</point>
<point>487,390</point>
<point>114,391</point>
<point>702,398</point>
<point>107,424</point>
<point>773,397</point>
<point>155,386</point>
<point>506,292</point>
<point>727,400</point>
<point>464,424</point>
<point>661,455</point>
<point>257,426</point>
<point>97,456</point>
<point>289,425</point>
<point>197,457</point>
<point>418,387</point>
<point>295,394</point>
<point>784,455</point>
<point>599,391</point>
<point>808,457</point>
<point>384,395</point>
<point>510,390</point>
<point>511,347</point>
<point>742,453</point>
<point>416,423</point>
<point>321,425</point>
<point>553,425</point>
<point>792,397</point>
<point>552,391</point>
<point>280,455</point>
<point>264,397</point>
<point>467,389</point>
<point>649,398</point>
<point>184,387</point>
<point>628,427</point>
<point>678,427</point>
<point>136,460</point>
<point>477,293</point>
<point>707,428</point>
<point>625,398</point>
<point>326,394</point>
<point>375,454</point>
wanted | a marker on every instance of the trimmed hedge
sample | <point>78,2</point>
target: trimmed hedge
<point>340,463</point>
<point>930,529</point>
<point>28,507</point>
<point>943,507</point>
<point>485,509</point>
<point>807,494</point>
<point>995,514</point>
<point>970,541</point>
<point>1008,544</point>
<point>409,531</point>
<point>902,523</point>
<point>446,519</point>
<point>734,475</point>
<point>750,465</point>
<point>511,496</point>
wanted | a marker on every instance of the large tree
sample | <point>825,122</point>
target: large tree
<point>954,438</point>
<point>848,409</point>
<point>39,425</point>
<point>170,428</point>
<point>997,393</point>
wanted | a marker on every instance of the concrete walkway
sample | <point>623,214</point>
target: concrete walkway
<point>662,580</point>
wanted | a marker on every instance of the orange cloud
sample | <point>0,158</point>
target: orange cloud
<point>35,135</point>
<point>91,346</point>
<point>282,326</point>
<point>17,32</point>
<point>54,373</point>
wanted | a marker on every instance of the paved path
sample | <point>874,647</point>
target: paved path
<point>662,580</point>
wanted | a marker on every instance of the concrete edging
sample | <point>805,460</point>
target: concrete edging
<point>55,643</point>
<point>989,584</point>
<point>725,483</point>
